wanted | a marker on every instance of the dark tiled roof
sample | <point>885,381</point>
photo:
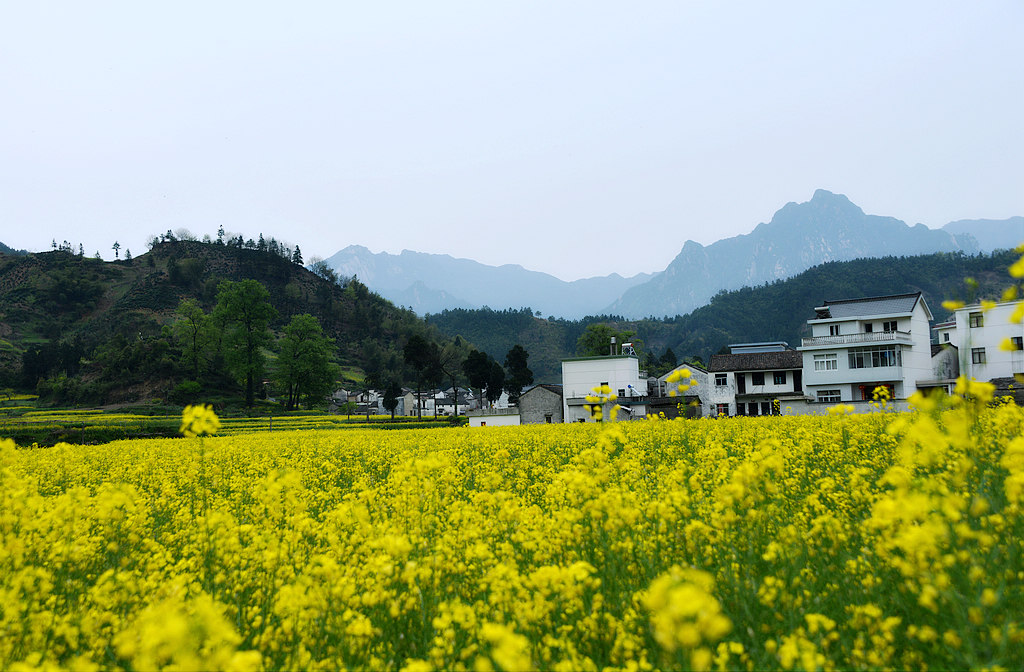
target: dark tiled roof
<point>557,389</point>
<point>895,304</point>
<point>758,361</point>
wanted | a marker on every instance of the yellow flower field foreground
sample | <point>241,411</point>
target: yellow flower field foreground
<point>852,542</point>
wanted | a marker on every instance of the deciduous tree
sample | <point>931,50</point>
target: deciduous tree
<point>519,374</point>
<point>304,366</point>
<point>193,334</point>
<point>244,313</point>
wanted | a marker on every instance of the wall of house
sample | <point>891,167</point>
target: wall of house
<point>503,417</point>
<point>996,326</point>
<point>539,406</point>
<point>769,388</point>
<point>917,360</point>
<point>581,376</point>
<point>720,394</point>
<point>797,407</point>
<point>946,364</point>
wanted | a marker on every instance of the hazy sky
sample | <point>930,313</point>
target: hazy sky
<point>576,138</point>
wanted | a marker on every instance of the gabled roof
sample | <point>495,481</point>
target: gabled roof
<point>758,361</point>
<point>557,389</point>
<point>894,304</point>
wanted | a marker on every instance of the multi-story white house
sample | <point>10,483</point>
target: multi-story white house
<point>857,345</point>
<point>979,337</point>
<point>619,372</point>
<point>754,379</point>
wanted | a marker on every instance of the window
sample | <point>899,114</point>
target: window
<point>722,409</point>
<point>977,355</point>
<point>1017,342</point>
<point>868,327</point>
<point>828,396</point>
<point>721,379</point>
<point>833,330</point>
<point>779,378</point>
<point>945,337</point>
<point>622,392</point>
<point>757,378</point>
<point>766,408</point>
<point>889,326</point>
<point>976,320</point>
<point>866,358</point>
<point>826,362</point>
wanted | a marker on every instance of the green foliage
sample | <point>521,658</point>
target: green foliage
<point>392,393</point>
<point>186,393</point>
<point>304,363</point>
<point>194,335</point>
<point>495,381</point>
<point>596,340</point>
<point>244,313</point>
<point>519,374</point>
<point>425,359</point>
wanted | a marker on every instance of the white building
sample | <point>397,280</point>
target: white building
<point>619,372</point>
<point>979,336</point>
<point>493,417</point>
<point>857,345</point>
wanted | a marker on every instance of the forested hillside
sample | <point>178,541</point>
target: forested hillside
<point>86,331</point>
<point>776,311</point>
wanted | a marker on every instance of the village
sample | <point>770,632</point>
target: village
<point>856,346</point>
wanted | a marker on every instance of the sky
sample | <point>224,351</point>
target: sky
<point>574,138</point>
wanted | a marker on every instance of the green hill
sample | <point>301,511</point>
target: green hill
<point>101,328</point>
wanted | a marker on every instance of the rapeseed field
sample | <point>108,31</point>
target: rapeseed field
<point>872,541</point>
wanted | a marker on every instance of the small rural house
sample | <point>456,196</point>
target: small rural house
<point>541,404</point>
<point>755,379</point>
<point>689,401</point>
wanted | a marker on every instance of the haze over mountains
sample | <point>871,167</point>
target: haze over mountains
<point>800,235</point>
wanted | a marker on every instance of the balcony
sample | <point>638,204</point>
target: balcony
<point>847,340</point>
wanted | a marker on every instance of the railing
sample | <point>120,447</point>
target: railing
<point>853,339</point>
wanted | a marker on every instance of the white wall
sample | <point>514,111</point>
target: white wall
<point>484,419</point>
<point>581,376</point>
<point>996,327</point>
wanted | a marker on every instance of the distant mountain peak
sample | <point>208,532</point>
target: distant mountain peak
<point>828,227</point>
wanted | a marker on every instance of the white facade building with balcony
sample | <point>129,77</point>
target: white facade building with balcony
<point>857,345</point>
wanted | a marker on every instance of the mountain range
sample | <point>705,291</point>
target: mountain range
<point>828,227</point>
